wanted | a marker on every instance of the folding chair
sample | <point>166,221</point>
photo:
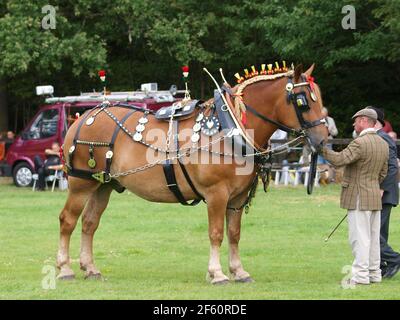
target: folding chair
<point>58,175</point>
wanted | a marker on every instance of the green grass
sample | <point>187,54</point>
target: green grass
<point>160,251</point>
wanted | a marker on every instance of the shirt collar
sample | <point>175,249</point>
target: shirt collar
<point>367,130</point>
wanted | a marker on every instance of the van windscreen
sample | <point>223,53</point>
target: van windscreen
<point>45,125</point>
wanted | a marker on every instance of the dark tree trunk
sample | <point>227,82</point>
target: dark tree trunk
<point>3,106</point>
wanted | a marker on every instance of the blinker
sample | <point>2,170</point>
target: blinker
<point>301,101</point>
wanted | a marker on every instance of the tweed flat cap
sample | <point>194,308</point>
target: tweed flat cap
<point>370,113</point>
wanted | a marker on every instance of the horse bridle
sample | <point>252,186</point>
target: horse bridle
<point>300,103</point>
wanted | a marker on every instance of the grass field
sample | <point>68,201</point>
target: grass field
<point>160,251</point>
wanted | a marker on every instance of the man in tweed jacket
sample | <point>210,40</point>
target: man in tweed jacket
<point>366,162</point>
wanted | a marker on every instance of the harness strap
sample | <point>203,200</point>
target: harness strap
<point>131,106</point>
<point>84,174</point>
<point>102,176</point>
<point>279,125</point>
<point>170,177</point>
<point>190,182</point>
<point>114,137</point>
<point>71,154</point>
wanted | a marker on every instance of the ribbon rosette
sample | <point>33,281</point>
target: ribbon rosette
<point>102,75</point>
<point>310,80</point>
<point>185,71</point>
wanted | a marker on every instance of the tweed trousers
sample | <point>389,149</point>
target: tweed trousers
<point>364,238</point>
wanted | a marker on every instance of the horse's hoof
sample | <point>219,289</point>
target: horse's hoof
<point>244,280</point>
<point>94,276</point>
<point>66,277</point>
<point>221,282</point>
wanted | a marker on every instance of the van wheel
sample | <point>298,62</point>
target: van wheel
<point>22,175</point>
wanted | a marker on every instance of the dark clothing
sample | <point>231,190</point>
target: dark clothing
<point>388,255</point>
<point>390,199</point>
<point>42,169</point>
<point>8,143</point>
<point>398,152</point>
<point>390,184</point>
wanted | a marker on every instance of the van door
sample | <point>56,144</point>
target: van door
<point>42,132</point>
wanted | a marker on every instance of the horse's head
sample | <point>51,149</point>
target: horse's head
<point>304,98</point>
<point>290,101</point>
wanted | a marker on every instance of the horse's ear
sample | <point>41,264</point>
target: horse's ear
<point>310,70</point>
<point>297,72</point>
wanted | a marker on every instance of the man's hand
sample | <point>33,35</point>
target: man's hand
<point>382,191</point>
<point>51,152</point>
<point>56,167</point>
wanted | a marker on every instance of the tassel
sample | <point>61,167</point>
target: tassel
<point>244,118</point>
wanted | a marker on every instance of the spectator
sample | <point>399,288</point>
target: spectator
<point>330,124</point>
<point>9,139</point>
<point>43,169</point>
<point>333,132</point>
<point>366,162</point>
<point>387,127</point>
<point>390,259</point>
<point>2,149</point>
<point>281,153</point>
<point>393,135</point>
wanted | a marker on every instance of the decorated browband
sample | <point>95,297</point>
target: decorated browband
<point>270,70</point>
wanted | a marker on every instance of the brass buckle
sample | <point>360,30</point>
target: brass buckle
<point>102,177</point>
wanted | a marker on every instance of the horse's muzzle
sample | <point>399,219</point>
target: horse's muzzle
<point>315,142</point>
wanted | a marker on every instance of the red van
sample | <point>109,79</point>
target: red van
<point>52,120</point>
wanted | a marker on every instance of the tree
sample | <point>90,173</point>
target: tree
<point>27,49</point>
<point>141,41</point>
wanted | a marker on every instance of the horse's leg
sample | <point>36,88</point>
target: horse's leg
<point>90,221</point>
<point>233,223</point>
<point>68,217</point>
<point>217,200</point>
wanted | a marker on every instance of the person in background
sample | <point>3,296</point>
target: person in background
<point>390,259</point>
<point>393,135</point>
<point>330,124</point>
<point>2,149</point>
<point>333,132</point>
<point>366,162</point>
<point>9,139</point>
<point>47,167</point>
<point>387,127</point>
<point>280,153</point>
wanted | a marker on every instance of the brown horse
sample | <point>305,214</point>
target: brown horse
<point>220,186</point>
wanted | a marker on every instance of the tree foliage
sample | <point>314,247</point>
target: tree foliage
<point>148,40</point>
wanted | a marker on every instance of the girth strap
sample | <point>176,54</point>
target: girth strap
<point>189,181</point>
<point>84,174</point>
<point>170,177</point>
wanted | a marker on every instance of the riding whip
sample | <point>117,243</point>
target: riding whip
<point>335,228</point>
